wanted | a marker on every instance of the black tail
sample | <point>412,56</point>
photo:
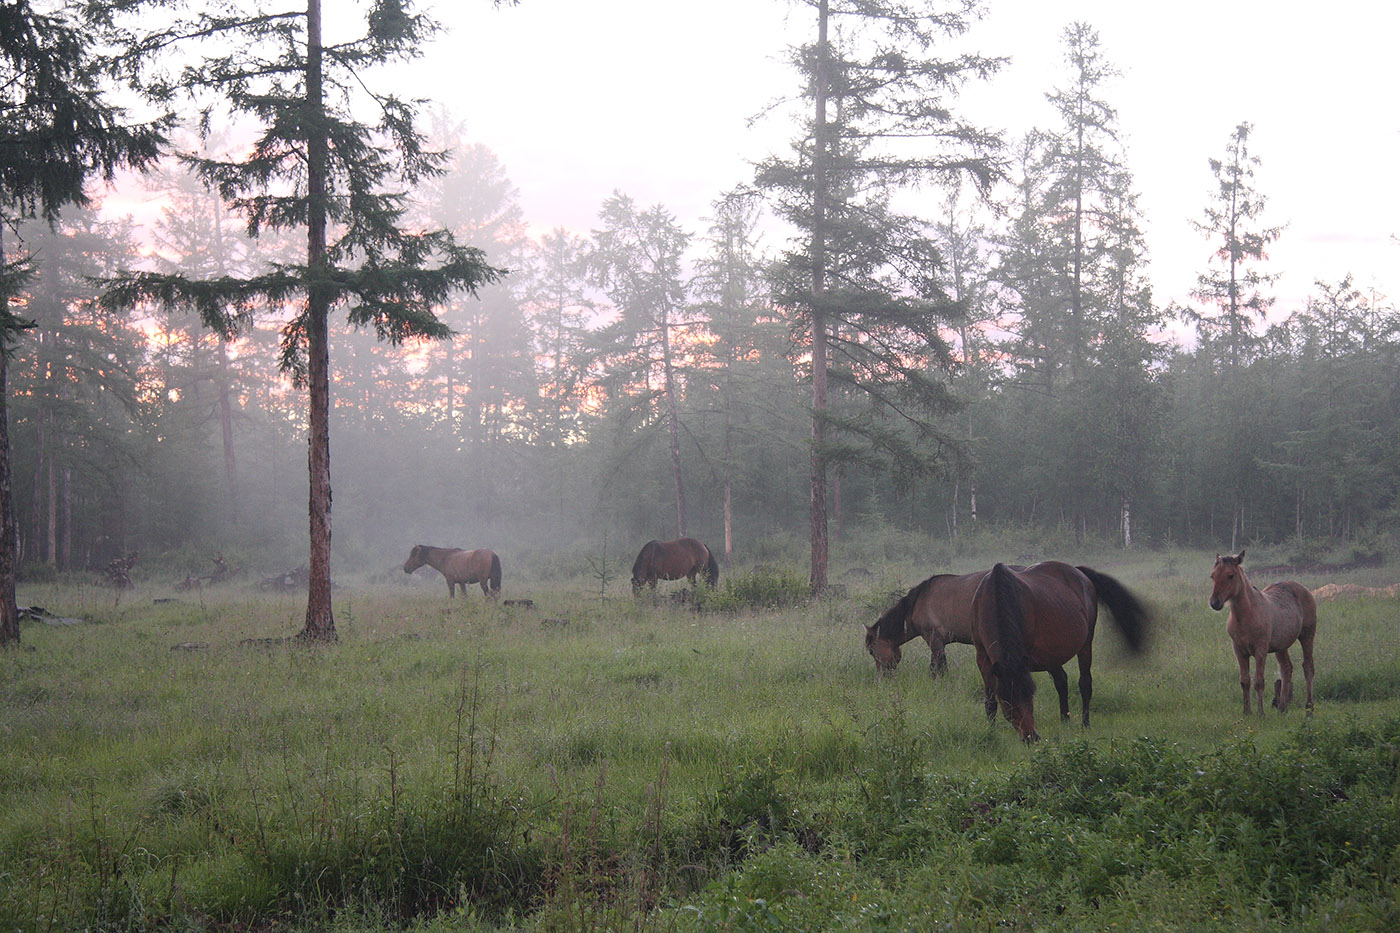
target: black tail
<point>1014,682</point>
<point>495,581</point>
<point>1129,613</point>
<point>711,568</point>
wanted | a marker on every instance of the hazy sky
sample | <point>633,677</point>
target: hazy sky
<point>655,98</point>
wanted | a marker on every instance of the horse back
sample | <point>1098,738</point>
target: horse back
<point>1060,606</point>
<point>1293,612</point>
<point>943,607</point>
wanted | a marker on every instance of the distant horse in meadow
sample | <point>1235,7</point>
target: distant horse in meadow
<point>671,560</point>
<point>1038,618</point>
<point>1264,621</point>
<point>939,610</point>
<point>460,567</point>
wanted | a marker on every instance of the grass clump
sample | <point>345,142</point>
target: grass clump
<point>762,588</point>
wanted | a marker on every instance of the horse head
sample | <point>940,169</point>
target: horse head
<point>416,558</point>
<point>883,638</point>
<point>885,652</point>
<point>1226,578</point>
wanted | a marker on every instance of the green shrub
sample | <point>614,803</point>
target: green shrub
<point>760,588</point>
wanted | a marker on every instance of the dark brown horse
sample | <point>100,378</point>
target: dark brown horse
<point>939,610</point>
<point>460,567</point>
<point>1264,621</point>
<point>671,560</point>
<point>1037,619</point>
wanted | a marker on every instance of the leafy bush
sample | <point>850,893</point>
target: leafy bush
<point>760,588</point>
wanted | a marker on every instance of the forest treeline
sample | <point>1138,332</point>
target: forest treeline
<point>649,375</point>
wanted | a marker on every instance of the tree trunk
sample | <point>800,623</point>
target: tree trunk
<point>226,429</point>
<point>65,543</point>
<point>9,612</point>
<point>320,622</point>
<point>673,423</point>
<point>820,552</point>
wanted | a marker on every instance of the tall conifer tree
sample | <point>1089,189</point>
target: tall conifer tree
<point>861,281</point>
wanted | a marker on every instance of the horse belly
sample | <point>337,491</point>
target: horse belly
<point>1047,648</point>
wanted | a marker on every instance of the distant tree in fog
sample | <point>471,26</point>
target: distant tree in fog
<point>1232,289</point>
<point>315,166</point>
<point>636,261</point>
<point>559,310</point>
<point>56,134</point>
<point>861,283</point>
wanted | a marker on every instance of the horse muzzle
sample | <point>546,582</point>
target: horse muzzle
<point>1216,603</point>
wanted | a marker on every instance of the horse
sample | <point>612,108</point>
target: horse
<point>1038,618</point>
<point>940,611</point>
<point>1263,621</point>
<point>460,567</point>
<point>671,560</point>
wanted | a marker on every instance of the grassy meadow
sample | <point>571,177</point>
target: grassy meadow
<point>170,760</point>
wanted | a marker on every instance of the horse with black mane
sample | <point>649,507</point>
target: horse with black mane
<point>460,567</point>
<point>1038,618</point>
<point>671,560</point>
<point>939,610</point>
<point>1263,621</point>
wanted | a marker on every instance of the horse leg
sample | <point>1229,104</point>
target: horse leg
<point>1283,687</point>
<point>1243,660</point>
<point>451,590</point>
<point>1260,658</point>
<point>1307,645</point>
<point>989,686</point>
<point>1086,682</point>
<point>938,658</point>
<point>1057,674</point>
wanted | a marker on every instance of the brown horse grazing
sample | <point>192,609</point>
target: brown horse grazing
<point>671,560</point>
<point>1037,619</point>
<point>460,567</point>
<point>940,611</point>
<point>1264,621</point>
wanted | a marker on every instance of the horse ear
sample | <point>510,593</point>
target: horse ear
<point>1239,558</point>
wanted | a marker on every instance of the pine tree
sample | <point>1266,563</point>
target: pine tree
<point>315,167</point>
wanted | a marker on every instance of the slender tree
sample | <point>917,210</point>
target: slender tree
<point>1233,288</point>
<point>57,132</point>
<point>861,283</point>
<point>314,167</point>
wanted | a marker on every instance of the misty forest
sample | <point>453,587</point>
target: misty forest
<point>244,279</point>
<point>653,376</point>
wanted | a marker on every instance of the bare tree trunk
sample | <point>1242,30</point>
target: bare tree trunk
<point>820,546</point>
<point>226,429</point>
<point>36,495</point>
<point>320,621</point>
<point>52,524</point>
<point>9,612</point>
<point>673,423</point>
<point>65,546</point>
<point>1126,523</point>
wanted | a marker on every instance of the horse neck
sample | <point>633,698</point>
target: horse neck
<point>434,557</point>
<point>1247,595</point>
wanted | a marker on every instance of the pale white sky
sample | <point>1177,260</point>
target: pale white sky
<point>654,98</point>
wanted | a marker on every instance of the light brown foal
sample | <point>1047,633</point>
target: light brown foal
<point>1262,621</point>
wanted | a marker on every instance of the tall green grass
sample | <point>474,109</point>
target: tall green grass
<point>591,763</point>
